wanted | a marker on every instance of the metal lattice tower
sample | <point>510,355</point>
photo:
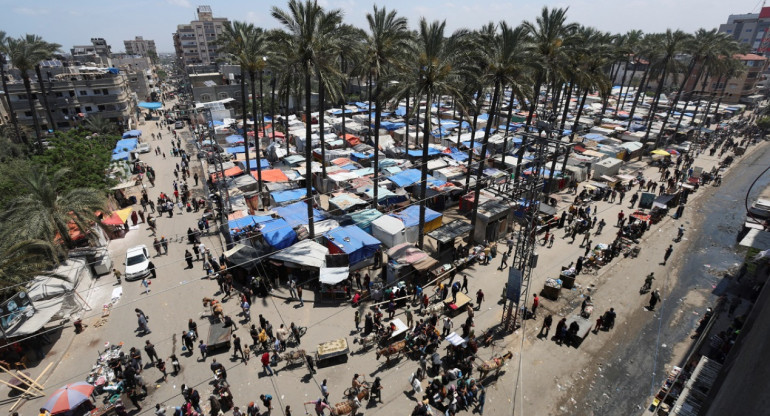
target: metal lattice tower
<point>529,190</point>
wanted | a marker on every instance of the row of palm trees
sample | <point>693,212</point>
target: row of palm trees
<point>544,64</point>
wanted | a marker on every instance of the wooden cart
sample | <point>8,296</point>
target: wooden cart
<point>332,352</point>
<point>219,336</point>
<point>455,308</point>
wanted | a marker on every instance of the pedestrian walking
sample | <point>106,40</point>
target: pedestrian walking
<point>669,250</point>
<point>149,349</point>
<point>195,177</point>
<point>550,240</point>
<point>357,320</point>
<point>588,248</point>
<point>479,299</point>
<point>266,364</point>
<point>310,364</point>
<point>204,349</point>
<point>292,286</point>
<point>161,365</point>
<point>447,326</point>
<point>151,268</point>
<point>535,304</point>
<point>146,285</point>
<point>503,262</point>
<point>295,331</point>
<point>117,274</point>
<point>237,347</point>
<point>621,216</point>
<point>188,258</point>
<point>299,295</point>
<point>409,318</point>
<point>654,298</point>
<point>465,283</point>
<point>325,390</point>
<point>267,401</point>
<point>164,244</point>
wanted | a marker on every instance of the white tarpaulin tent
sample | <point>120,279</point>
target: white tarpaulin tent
<point>390,230</point>
<point>306,253</point>
<point>333,275</point>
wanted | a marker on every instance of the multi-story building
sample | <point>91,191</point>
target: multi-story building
<point>750,29</point>
<point>194,43</point>
<point>141,75</point>
<point>73,94</point>
<point>743,88</point>
<point>140,46</point>
<point>98,52</point>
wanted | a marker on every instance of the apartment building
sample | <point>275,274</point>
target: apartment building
<point>140,46</point>
<point>194,43</point>
<point>141,75</point>
<point>73,94</point>
<point>98,52</point>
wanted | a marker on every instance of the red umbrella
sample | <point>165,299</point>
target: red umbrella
<point>68,397</point>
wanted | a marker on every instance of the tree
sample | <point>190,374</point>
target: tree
<point>21,261</point>
<point>3,62</point>
<point>25,53</point>
<point>85,156</point>
<point>388,47</point>
<point>595,53</point>
<point>100,125</point>
<point>506,60</point>
<point>254,50</point>
<point>310,30</point>
<point>551,39</point>
<point>633,44</point>
<point>45,210</point>
<point>438,66</point>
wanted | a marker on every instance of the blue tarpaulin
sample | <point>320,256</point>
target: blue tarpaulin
<point>353,241</point>
<point>132,133</point>
<point>238,149</point>
<point>595,137</point>
<point>264,164</point>
<point>288,195</point>
<point>401,111</point>
<point>239,224</point>
<point>235,138</point>
<point>339,112</point>
<point>150,106</point>
<point>296,214</point>
<point>405,177</point>
<point>113,70</point>
<point>390,126</point>
<point>458,155</point>
<point>363,219</point>
<point>125,145</point>
<point>278,233</point>
<point>121,156</point>
<point>418,152</point>
<point>411,215</point>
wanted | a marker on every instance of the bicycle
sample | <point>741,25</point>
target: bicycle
<point>302,330</point>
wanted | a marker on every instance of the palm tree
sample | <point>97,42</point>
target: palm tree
<point>232,43</point>
<point>633,42</point>
<point>310,31</point>
<point>506,60</point>
<point>43,211</point>
<point>596,53</point>
<point>100,125</point>
<point>3,62</point>
<point>254,44</point>
<point>551,39</point>
<point>673,42</point>
<point>25,53</point>
<point>649,48</point>
<point>388,47</point>
<point>437,68</point>
<point>21,261</point>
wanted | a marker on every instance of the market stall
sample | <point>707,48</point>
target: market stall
<point>333,283</point>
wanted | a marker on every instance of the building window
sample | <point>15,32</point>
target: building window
<point>59,94</point>
<point>72,93</point>
<point>65,111</point>
<point>28,113</point>
<point>105,91</point>
<point>101,108</point>
<point>83,92</point>
<point>222,95</point>
<point>97,92</point>
<point>88,109</point>
<point>205,97</point>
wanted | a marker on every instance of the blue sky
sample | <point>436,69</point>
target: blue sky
<point>76,22</point>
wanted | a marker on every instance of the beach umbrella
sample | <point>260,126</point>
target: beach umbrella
<point>672,151</point>
<point>660,152</point>
<point>68,397</point>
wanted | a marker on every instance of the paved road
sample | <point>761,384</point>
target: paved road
<point>176,297</point>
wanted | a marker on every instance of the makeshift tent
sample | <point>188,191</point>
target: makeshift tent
<point>609,166</point>
<point>233,139</point>
<point>118,217</point>
<point>363,219</point>
<point>346,202</point>
<point>263,164</point>
<point>278,233</point>
<point>244,256</point>
<point>150,105</point>
<point>407,253</point>
<point>389,230</point>
<point>353,241</point>
<point>296,214</point>
<point>333,275</point>
<point>411,218</point>
<point>239,225</point>
<point>272,175</point>
<point>449,232</point>
<point>287,196</point>
<point>306,253</point>
<point>126,144</point>
<point>131,133</point>
<point>405,177</point>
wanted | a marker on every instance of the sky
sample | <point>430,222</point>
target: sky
<point>76,22</point>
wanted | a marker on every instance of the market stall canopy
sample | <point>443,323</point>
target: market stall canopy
<point>353,241</point>
<point>306,253</point>
<point>278,233</point>
<point>272,175</point>
<point>448,232</point>
<point>660,152</point>
<point>245,256</point>
<point>68,397</point>
<point>407,253</point>
<point>296,214</point>
<point>131,133</point>
<point>118,217</point>
<point>150,105</point>
<point>333,275</point>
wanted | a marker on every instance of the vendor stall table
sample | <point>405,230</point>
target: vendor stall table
<point>453,309</point>
<point>219,336</point>
<point>331,351</point>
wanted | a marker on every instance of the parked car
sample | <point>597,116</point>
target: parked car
<point>137,262</point>
<point>179,125</point>
<point>143,148</point>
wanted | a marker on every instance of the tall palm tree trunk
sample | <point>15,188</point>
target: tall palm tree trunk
<point>14,119</point>
<point>672,107</point>
<point>620,92</point>
<point>245,108</point>
<point>416,125</point>
<point>272,102</point>
<point>533,105</point>
<point>308,156</point>
<point>482,159</point>
<point>476,112</point>
<point>406,138</point>
<point>321,105</point>
<point>702,88</point>
<point>639,92</point>
<point>47,108</point>
<point>286,116</point>
<point>507,131</point>
<point>261,105</point>
<point>377,121</point>
<point>424,170</point>
<point>689,98</point>
<point>460,129</point>
<point>258,153</point>
<point>577,116</point>
<point>565,110</point>
<point>369,100</point>
<point>31,102</point>
<point>628,87</point>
